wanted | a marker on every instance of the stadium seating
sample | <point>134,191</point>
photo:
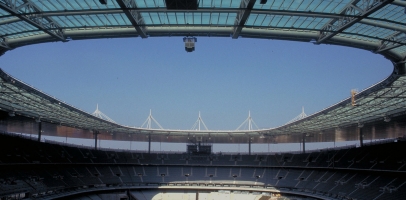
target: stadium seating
<point>38,169</point>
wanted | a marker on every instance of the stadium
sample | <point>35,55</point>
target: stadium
<point>34,169</point>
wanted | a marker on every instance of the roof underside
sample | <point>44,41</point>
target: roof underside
<point>373,25</point>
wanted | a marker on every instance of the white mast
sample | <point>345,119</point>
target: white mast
<point>299,117</point>
<point>99,114</point>
<point>248,121</point>
<point>149,121</point>
<point>198,122</point>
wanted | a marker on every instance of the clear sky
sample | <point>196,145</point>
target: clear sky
<point>223,78</point>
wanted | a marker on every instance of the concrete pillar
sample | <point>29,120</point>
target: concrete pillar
<point>249,145</point>
<point>361,137</point>
<point>95,139</point>
<point>149,143</point>
<point>39,131</point>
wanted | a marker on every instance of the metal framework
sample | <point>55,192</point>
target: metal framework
<point>248,123</point>
<point>199,121</point>
<point>372,25</point>
<point>101,115</point>
<point>134,16</point>
<point>148,122</point>
<point>242,16</point>
<point>354,12</point>
<point>30,13</point>
<point>302,115</point>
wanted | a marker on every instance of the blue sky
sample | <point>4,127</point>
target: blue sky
<point>223,78</point>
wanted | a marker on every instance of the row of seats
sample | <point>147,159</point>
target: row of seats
<point>42,178</point>
<point>28,167</point>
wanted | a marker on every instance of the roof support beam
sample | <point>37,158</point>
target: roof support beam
<point>391,42</point>
<point>129,8</point>
<point>44,24</point>
<point>399,2</point>
<point>354,13</point>
<point>3,43</point>
<point>242,16</point>
<point>383,25</point>
<point>203,10</point>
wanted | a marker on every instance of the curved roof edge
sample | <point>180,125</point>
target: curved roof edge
<point>278,34</point>
<point>50,109</point>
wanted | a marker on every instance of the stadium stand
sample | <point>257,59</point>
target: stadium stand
<point>45,170</point>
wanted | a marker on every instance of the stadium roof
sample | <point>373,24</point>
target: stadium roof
<point>373,25</point>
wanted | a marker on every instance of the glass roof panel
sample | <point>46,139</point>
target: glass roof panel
<point>55,5</point>
<point>219,3</point>
<point>401,49</point>
<point>150,3</point>
<point>92,20</point>
<point>357,37</point>
<point>327,6</point>
<point>196,18</point>
<point>369,30</point>
<point>26,34</point>
<point>3,13</point>
<point>16,2</point>
<point>285,21</point>
<point>391,12</point>
<point>180,18</point>
<point>16,27</point>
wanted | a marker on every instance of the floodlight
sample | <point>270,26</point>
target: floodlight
<point>189,43</point>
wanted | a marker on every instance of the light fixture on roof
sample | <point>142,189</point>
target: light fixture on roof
<point>38,120</point>
<point>386,119</point>
<point>182,4</point>
<point>360,125</point>
<point>11,114</point>
<point>189,43</point>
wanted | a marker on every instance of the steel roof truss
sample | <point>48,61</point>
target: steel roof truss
<point>129,8</point>
<point>31,14</point>
<point>242,16</point>
<point>391,42</point>
<point>353,13</point>
<point>3,43</point>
